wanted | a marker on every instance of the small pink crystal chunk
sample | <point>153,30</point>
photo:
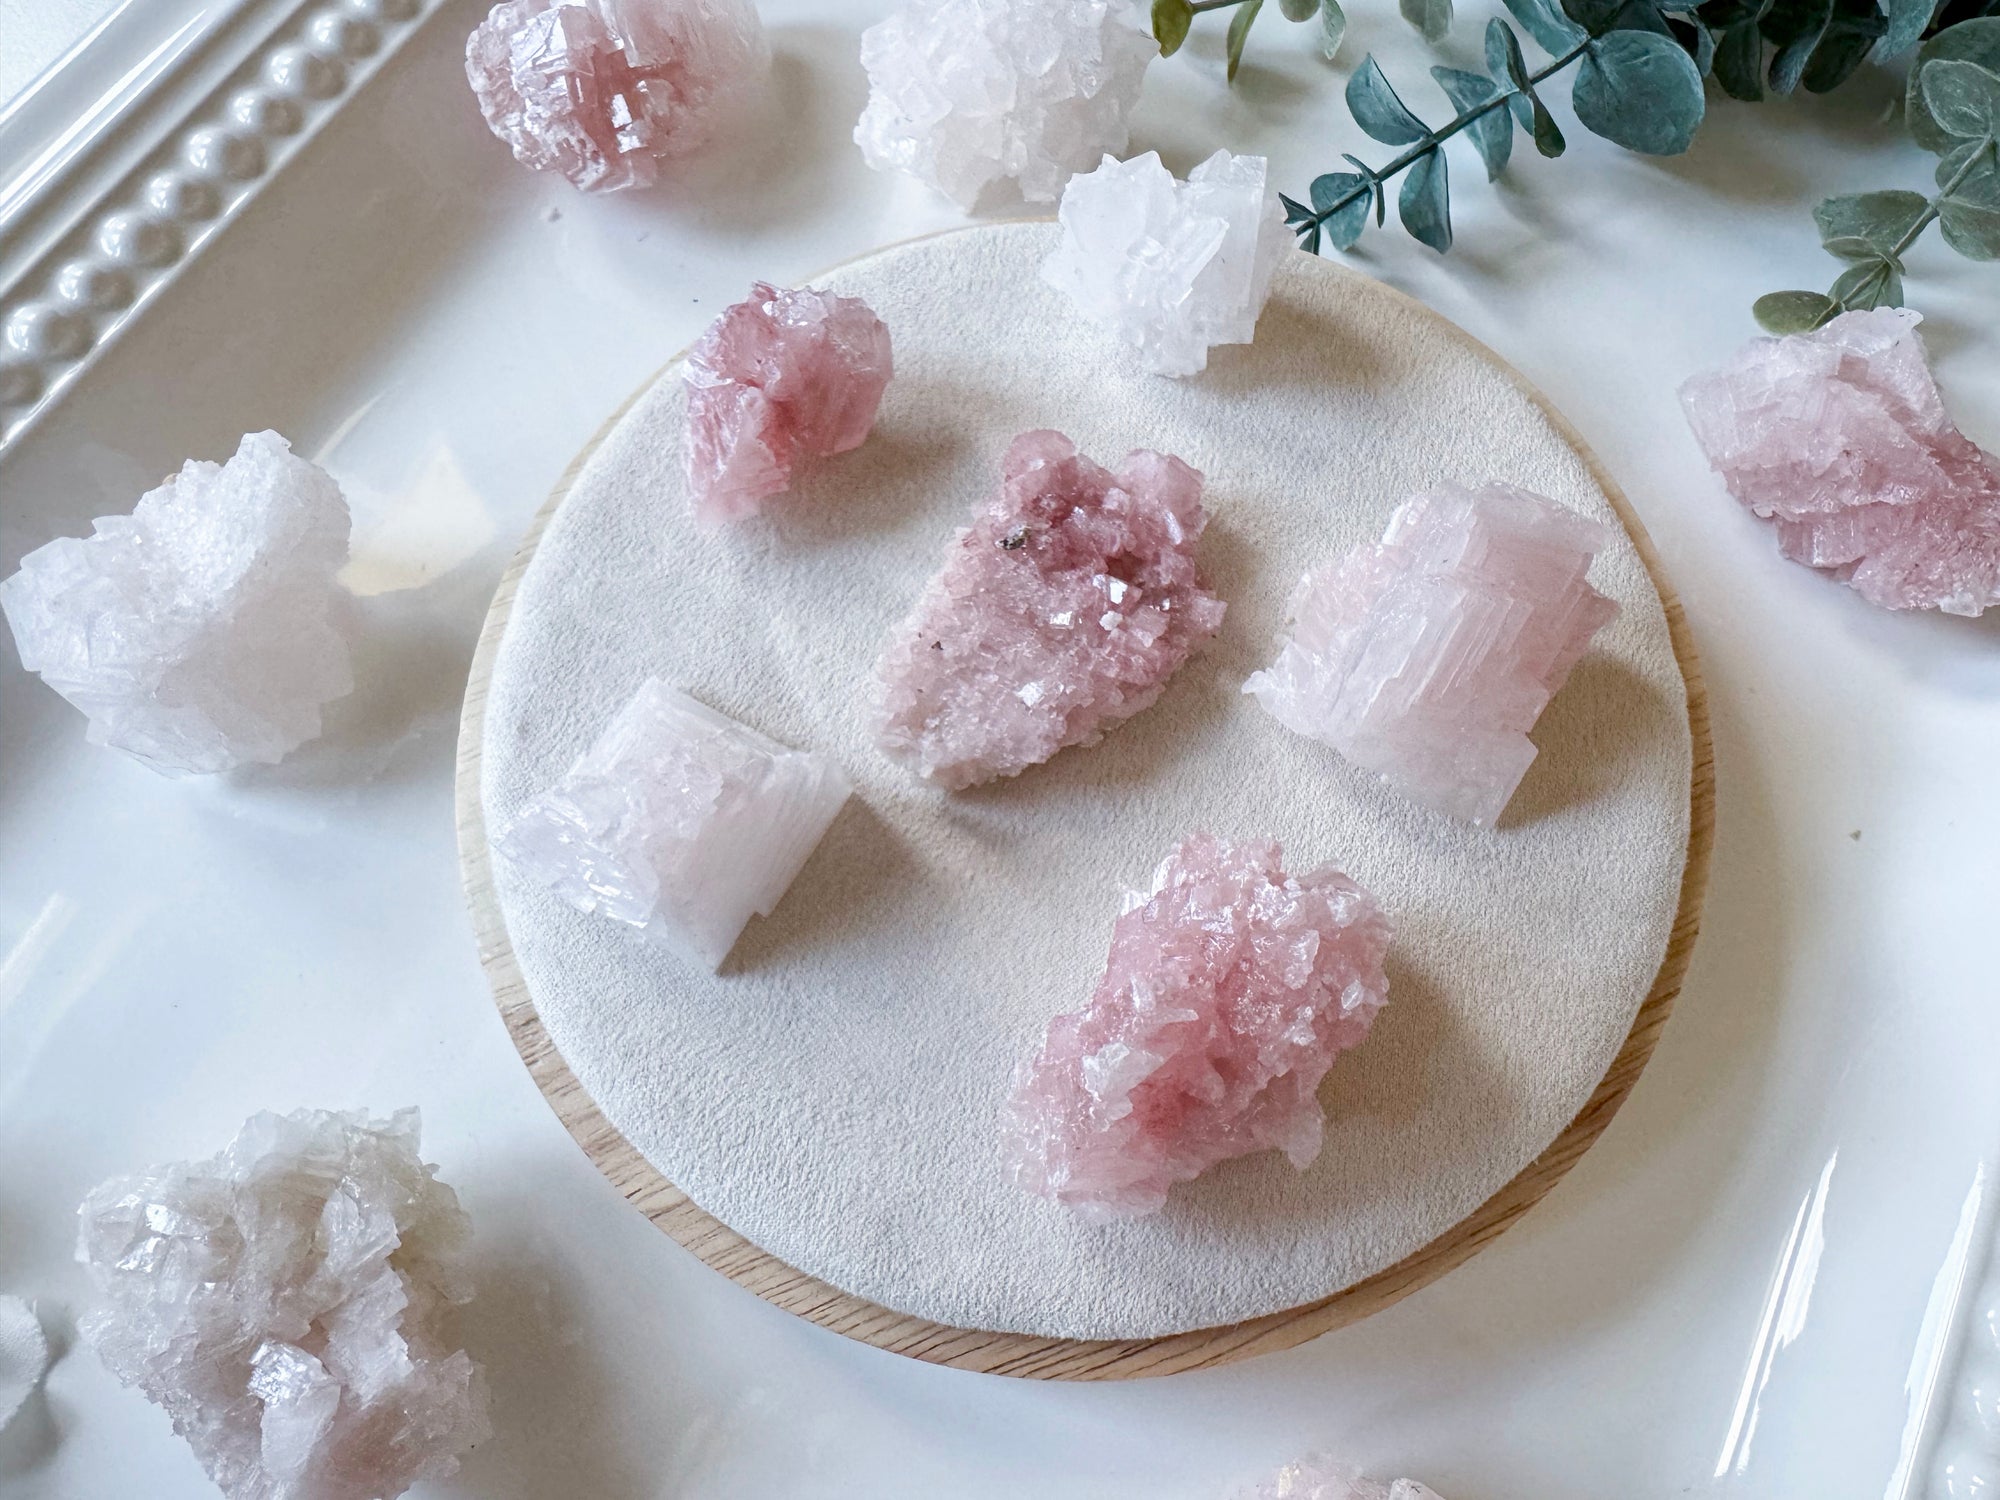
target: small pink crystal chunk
<point>1840,439</point>
<point>1428,657</point>
<point>779,377</point>
<point>1062,611</point>
<point>1317,1477</point>
<point>1229,992</point>
<point>603,90</point>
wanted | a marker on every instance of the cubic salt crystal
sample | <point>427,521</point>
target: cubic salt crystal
<point>1428,658</point>
<point>604,90</point>
<point>679,822</point>
<point>1061,612</point>
<point>24,1355</point>
<point>967,93</point>
<point>1229,991</point>
<point>1170,268</point>
<point>779,377</point>
<point>1320,1478</point>
<point>1840,438</point>
<point>196,633</point>
<point>287,1302</point>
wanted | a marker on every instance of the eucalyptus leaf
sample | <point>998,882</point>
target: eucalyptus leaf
<point>1850,32</point>
<point>1332,28</point>
<point>1795,27</point>
<point>1504,62</point>
<point>1908,20</point>
<point>1874,284</point>
<point>1295,211</point>
<point>1344,198</point>
<point>1849,247</point>
<point>1425,202</point>
<point>1958,164</point>
<point>1542,128</point>
<point>1793,312</point>
<point>1697,41</point>
<point>1640,90</point>
<point>1377,110</point>
<point>1239,33</point>
<point>1309,241</point>
<point>1554,32</point>
<point>1432,18</point>
<point>1969,41</point>
<point>1972,229</point>
<point>1298,10</point>
<point>1594,16</point>
<point>1171,20</point>
<point>1739,61</point>
<point>1493,132</point>
<point>1875,222</point>
<point>1374,183</point>
<point>1963,98</point>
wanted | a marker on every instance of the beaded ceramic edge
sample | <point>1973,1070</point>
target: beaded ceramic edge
<point>71,302</point>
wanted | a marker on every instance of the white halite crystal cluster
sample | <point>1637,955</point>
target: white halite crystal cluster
<point>1170,268</point>
<point>286,1302</point>
<point>679,822</point>
<point>967,93</point>
<point>1321,1478</point>
<point>197,633</point>
<point>24,1355</point>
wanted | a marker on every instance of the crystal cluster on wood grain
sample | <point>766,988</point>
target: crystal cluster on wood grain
<point>1840,439</point>
<point>1061,612</point>
<point>780,377</point>
<point>1230,989</point>
<point>603,90</point>
<point>287,1302</point>
<point>24,1354</point>
<point>1321,1478</point>
<point>198,632</point>
<point>1170,268</point>
<point>1428,657</point>
<point>968,93</point>
<point>678,822</point>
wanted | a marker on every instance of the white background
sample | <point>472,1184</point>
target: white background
<point>1744,1290</point>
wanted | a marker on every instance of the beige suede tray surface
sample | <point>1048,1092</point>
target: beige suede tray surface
<point>831,1097</point>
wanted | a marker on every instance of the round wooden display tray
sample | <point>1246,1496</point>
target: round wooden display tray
<point>1027,1355</point>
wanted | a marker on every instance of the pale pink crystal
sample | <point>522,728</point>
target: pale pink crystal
<point>1840,438</point>
<point>1428,657</point>
<point>1061,612</point>
<point>603,90</point>
<point>1318,1477</point>
<point>780,377</point>
<point>1229,991</point>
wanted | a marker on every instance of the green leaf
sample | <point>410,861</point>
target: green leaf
<point>1554,32</point>
<point>1332,28</point>
<point>1697,41</point>
<point>1309,241</point>
<point>1296,213</point>
<point>1298,10</point>
<point>1873,284</point>
<point>1171,19</point>
<point>1793,312</point>
<point>1739,61</point>
<point>1374,183</point>
<point>1493,132</point>
<point>1239,33</point>
<point>1504,62</point>
<point>1432,18</point>
<point>1850,32</point>
<point>1425,202</point>
<point>1542,128</point>
<point>1972,229</point>
<point>1908,20</point>
<point>1873,222</point>
<point>1794,27</point>
<point>1377,110</point>
<point>1969,41</point>
<point>1974,181</point>
<point>1344,198</point>
<point>1963,98</point>
<point>1640,90</point>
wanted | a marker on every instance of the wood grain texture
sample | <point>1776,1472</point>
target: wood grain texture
<point>1027,1355</point>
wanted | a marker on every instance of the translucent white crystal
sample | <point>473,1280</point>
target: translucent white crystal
<point>1170,268</point>
<point>24,1354</point>
<point>1320,1478</point>
<point>967,93</point>
<point>287,1303</point>
<point>679,822</point>
<point>196,633</point>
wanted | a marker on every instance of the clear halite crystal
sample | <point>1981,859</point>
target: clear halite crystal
<point>967,93</point>
<point>1061,612</point>
<point>197,632</point>
<point>1317,1477</point>
<point>287,1302</point>
<point>602,91</point>
<point>1170,268</point>
<point>1428,657</point>
<point>1840,439</point>
<point>679,822</point>
<point>1230,989</point>
<point>24,1355</point>
<point>780,377</point>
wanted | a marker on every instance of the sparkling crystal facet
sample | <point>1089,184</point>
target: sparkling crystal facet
<point>780,377</point>
<point>679,822</point>
<point>604,90</point>
<point>1061,612</point>
<point>1230,989</point>
<point>967,93</point>
<point>1320,1478</point>
<point>287,1302</point>
<point>1840,439</point>
<point>196,633</point>
<point>1170,268</point>
<point>1428,657</point>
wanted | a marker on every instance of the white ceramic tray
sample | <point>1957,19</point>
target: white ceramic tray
<point>1757,1284</point>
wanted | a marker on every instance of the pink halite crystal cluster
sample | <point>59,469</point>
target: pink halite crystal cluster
<point>603,90</point>
<point>1840,439</point>
<point>287,1301</point>
<point>1428,657</point>
<point>779,377</point>
<point>1319,1478</point>
<point>1230,990</point>
<point>1061,611</point>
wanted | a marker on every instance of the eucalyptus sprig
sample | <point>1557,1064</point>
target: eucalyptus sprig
<point>1953,111</point>
<point>1172,20</point>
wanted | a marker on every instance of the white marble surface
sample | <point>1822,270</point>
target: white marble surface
<point>1745,1290</point>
